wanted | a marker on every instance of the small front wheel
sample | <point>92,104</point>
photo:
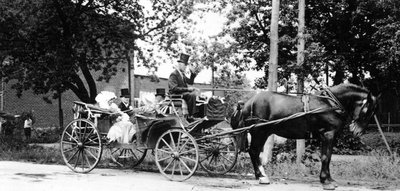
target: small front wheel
<point>176,154</point>
<point>81,145</point>
<point>127,156</point>
<point>218,155</point>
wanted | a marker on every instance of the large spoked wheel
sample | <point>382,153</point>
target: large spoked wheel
<point>127,156</point>
<point>176,155</point>
<point>218,155</point>
<point>81,145</point>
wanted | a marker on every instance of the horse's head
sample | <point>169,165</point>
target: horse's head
<point>363,111</point>
<point>237,117</point>
<point>236,123</point>
<point>359,104</point>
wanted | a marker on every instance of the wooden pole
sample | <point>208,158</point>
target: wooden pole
<point>272,73</point>
<point>300,143</point>
<point>383,135</point>
<point>131,77</point>
<point>60,112</point>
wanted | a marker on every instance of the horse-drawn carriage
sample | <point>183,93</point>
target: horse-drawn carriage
<point>179,147</point>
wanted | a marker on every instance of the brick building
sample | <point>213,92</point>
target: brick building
<point>47,114</point>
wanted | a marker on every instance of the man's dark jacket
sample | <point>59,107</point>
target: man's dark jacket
<point>178,84</point>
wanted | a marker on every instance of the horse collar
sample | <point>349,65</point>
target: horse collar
<point>336,102</point>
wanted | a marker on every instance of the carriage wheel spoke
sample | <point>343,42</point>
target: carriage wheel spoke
<point>179,140</point>
<point>168,165</point>
<point>207,157</point>
<point>95,140</point>
<point>68,142</point>
<point>184,145</point>
<point>172,141</point>
<point>91,154</point>
<point>173,169</point>
<point>188,151</point>
<point>70,149</point>
<point>88,134</point>
<point>212,159</point>
<point>112,152</point>
<point>77,159</point>
<point>180,169</point>
<point>83,136</point>
<point>185,165</point>
<point>167,144</point>
<point>83,160</point>
<point>165,158</point>
<point>77,137</point>
<point>186,158</point>
<point>227,159</point>
<point>70,136</point>
<point>85,157</point>
<point>168,152</point>
<point>227,152</point>
<point>70,158</point>
<point>133,154</point>
<point>92,147</point>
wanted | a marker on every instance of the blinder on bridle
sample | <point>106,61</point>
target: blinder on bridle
<point>360,115</point>
<point>367,109</point>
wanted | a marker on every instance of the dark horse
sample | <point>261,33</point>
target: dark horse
<point>322,115</point>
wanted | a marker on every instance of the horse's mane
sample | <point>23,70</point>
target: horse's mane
<point>349,87</point>
<point>350,90</point>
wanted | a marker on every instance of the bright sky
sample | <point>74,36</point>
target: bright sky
<point>210,25</point>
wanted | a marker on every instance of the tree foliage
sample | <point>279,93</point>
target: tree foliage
<point>48,45</point>
<point>355,39</point>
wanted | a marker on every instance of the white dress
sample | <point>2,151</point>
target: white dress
<point>123,129</point>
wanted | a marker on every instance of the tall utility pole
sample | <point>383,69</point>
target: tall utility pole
<point>130,57</point>
<point>300,144</point>
<point>273,58</point>
<point>272,72</point>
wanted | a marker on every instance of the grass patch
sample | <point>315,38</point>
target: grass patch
<point>375,168</point>
<point>12,149</point>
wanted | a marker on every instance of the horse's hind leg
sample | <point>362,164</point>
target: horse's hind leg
<point>255,149</point>
<point>326,154</point>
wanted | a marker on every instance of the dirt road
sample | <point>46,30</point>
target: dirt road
<point>18,176</point>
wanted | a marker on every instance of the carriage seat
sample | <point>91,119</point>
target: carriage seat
<point>84,108</point>
<point>176,101</point>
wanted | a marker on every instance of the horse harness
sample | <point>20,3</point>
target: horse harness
<point>327,94</point>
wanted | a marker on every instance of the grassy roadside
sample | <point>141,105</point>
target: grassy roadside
<point>376,169</point>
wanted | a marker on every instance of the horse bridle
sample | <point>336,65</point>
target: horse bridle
<point>333,98</point>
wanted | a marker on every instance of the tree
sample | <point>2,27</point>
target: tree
<point>272,71</point>
<point>50,44</point>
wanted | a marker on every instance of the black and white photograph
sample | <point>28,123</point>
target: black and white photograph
<point>199,95</point>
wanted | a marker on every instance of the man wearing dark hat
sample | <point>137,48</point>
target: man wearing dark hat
<point>160,96</point>
<point>125,100</point>
<point>178,83</point>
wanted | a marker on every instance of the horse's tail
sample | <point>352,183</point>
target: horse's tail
<point>237,121</point>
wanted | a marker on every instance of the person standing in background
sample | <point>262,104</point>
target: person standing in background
<point>28,124</point>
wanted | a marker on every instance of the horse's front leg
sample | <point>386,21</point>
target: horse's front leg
<point>326,154</point>
<point>254,152</point>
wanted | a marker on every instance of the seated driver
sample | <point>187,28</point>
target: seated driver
<point>178,84</point>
